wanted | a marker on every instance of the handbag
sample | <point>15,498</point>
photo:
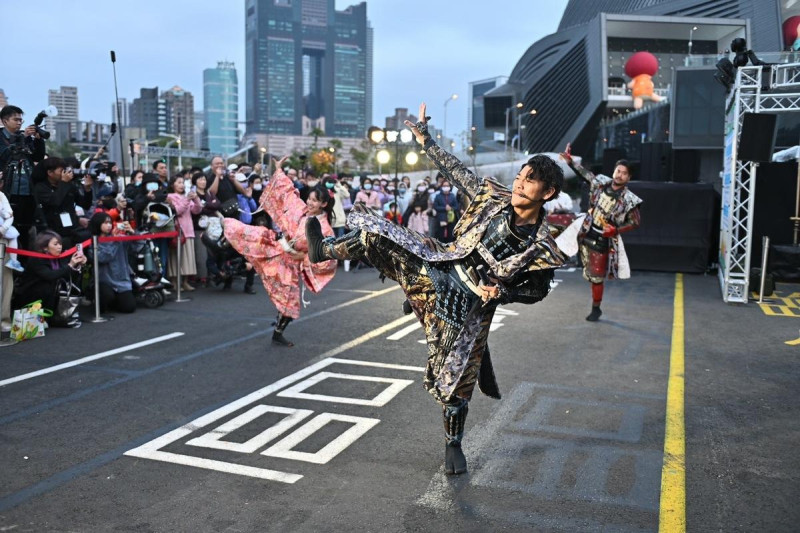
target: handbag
<point>29,322</point>
<point>66,301</point>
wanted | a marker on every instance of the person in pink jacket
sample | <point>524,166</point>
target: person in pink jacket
<point>281,259</point>
<point>369,196</point>
<point>184,207</point>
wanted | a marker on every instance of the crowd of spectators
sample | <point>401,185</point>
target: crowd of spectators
<point>49,205</point>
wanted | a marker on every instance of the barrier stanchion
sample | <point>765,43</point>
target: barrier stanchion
<point>97,318</point>
<point>179,248</point>
<point>764,254</point>
<point>5,337</point>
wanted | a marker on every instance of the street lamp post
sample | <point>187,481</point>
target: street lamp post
<point>453,96</point>
<point>508,111</point>
<point>532,112</point>
<point>691,32</point>
<point>263,151</point>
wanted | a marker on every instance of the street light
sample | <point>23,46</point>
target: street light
<point>508,111</point>
<point>412,158</point>
<point>532,112</point>
<point>177,138</point>
<point>332,150</point>
<point>453,96</point>
<point>691,32</point>
<point>263,151</point>
<point>383,157</point>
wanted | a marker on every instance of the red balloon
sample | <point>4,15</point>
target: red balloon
<point>790,30</point>
<point>641,63</point>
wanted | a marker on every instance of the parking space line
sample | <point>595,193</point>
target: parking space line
<point>672,510</point>
<point>95,357</point>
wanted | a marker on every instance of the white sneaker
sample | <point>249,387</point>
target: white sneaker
<point>14,264</point>
<point>347,265</point>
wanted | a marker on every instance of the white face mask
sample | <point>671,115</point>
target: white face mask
<point>445,190</point>
<point>257,186</point>
<point>311,183</point>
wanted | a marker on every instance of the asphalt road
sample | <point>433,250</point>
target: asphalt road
<point>211,428</point>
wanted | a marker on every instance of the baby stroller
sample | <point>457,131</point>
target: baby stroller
<point>148,284</point>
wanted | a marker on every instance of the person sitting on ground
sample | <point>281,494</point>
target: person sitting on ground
<point>114,271</point>
<point>42,277</point>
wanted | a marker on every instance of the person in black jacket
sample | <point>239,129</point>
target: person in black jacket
<point>56,193</point>
<point>19,150</point>
<point>41,278</point>
<point>153,190</point>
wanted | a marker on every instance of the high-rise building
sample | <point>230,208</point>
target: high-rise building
<point>220,108</point>
<point>151,113</point>
<point>476,91</point>
<point>3,99</point>
<point>307,66</point>
<point>66,101</point>
<point>397,121</point>
<point>124,113</point>
<point>181,117</point>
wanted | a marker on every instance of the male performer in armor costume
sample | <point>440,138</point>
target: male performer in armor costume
<point>502,253</point>
<point>613,209</point>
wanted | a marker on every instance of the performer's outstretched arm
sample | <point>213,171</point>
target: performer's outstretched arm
<point>449,165</point>
<point>532,287</point>
<point>585,174</point>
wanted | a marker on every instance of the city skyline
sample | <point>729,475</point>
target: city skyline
<point>422,51</point>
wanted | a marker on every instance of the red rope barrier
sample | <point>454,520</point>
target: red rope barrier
<point>88,242</point>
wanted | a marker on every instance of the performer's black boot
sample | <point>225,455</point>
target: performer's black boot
<point>407,307</point>
<point>316,241</point>
<point>277,335</point>
<point>454,418</point>
<point>594,316</point>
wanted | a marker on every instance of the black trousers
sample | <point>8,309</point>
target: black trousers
<point>124,302</point>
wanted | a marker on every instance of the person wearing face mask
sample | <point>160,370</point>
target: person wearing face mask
<point>447,212</point>
<point>403,196</point>
<point>367,196</point>
<point>340,193</point>
<point>281,260</point>
<point>135,184</point>
<point>503,253</point>
<point>256,185</point>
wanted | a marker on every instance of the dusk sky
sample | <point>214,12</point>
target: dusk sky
<point>424,50</point>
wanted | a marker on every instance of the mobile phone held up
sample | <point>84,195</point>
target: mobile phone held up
<point>79,248</point>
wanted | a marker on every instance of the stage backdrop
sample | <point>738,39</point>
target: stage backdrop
<point>678,227</point>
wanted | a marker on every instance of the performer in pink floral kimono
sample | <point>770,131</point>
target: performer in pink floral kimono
<point>502,253</point>
<point>280,258</point>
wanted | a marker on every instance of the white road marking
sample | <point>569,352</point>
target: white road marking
<point>89,358</point>
<point>396,385</point>
<point>283,449</point>
<point>212,439</point>
<point>403,332</point>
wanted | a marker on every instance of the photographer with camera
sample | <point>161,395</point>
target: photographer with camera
<point>19,150</point>
<point>222,182</point>
<point>56,192</point>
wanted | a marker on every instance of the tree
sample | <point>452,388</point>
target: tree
<point>361,156</point>
<point>316,133</point>
<point>62,149</point>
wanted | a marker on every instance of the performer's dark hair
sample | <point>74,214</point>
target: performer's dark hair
<point>625,163</point>
<point>323,195</point>
<point>547,171</point>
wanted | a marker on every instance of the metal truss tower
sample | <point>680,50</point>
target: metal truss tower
<point>758,89</point>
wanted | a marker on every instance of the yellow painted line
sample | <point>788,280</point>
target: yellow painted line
<point>672,510</point>
<point>793,343</point>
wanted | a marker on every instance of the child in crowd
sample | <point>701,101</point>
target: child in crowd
<point>9,232</point>
<point>393,214</point>
<point>418,221</point>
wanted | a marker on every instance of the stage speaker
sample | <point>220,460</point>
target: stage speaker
<point>685,166</point>
<point>656,162</point>
<point>757,140</point>
<point>610,158</point>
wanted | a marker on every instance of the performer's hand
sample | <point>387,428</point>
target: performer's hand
<point>609,231</point>
<point>279,163</point>
<point>566,155</point>
<point>488,292</point>
<point>413,127</point>
<point>297,256</point>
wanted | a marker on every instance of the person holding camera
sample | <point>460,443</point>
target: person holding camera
<point>19,150</point>
<point>222,183</point>
<point>56,193</point>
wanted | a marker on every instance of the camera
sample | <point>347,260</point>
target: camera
<point>37,122</point>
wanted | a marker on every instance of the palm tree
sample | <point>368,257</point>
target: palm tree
<point>316,133</point>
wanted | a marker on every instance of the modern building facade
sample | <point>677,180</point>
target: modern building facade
<point>66,101</point>
<point>123,119</point>
<point>574,79</point>
<point>150,112</point>
<point>307,66</point>
<point>220,108</point>
<point>181,114</point>
<point>3,99</point>
<point>397,121</point>
<point>476,120</point>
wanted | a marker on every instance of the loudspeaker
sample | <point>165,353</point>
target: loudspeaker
<point>685,166</point>
<point>656,162</point>
<point>757,140</point>
<point>610,158</point>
